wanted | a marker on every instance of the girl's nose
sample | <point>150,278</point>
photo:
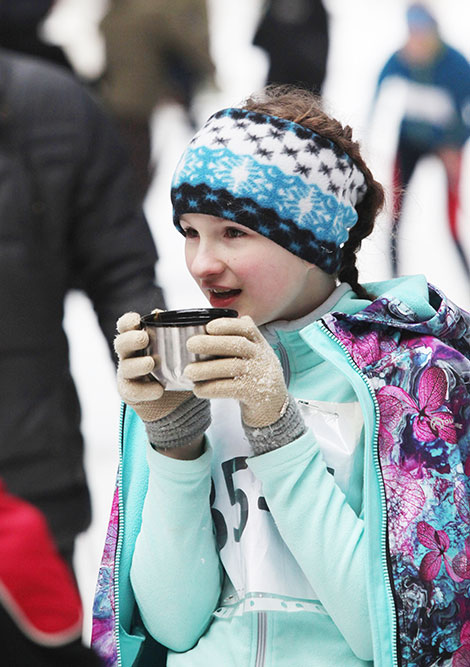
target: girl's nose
<point>206,262</point>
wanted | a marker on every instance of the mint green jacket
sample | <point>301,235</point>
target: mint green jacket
<point>410,340</point>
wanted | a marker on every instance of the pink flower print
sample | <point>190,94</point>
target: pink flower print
<point>461,501</point>
<point>391,411</point>
<point>438,543</point>
<point>109,550</point>
<point>429,421</point>
<point>366,349</point>
<point>405,500</point>
<point>462,656</point>
<point>440,487</point>
<point>461,566</point>
<point>465,633</point>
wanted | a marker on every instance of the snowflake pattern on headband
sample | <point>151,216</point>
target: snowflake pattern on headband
<point>277,177</point>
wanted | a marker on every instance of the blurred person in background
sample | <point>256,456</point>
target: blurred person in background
<point>303,55</point>
<point>40,608</point>
<point>69,218</point>
<point>156,52</point>
<point>436,116</point>
<point>20,22</point>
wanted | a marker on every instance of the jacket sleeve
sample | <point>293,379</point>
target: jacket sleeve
<point>176,572</point>
<point>112,252</point>
<point>459,82</point>
<point>393,67</point>
<point>322,531</point>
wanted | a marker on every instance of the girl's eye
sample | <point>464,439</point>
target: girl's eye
<point>234,232</point>
<point>189,232</point>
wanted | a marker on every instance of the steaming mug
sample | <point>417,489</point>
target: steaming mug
<point>168,331</point>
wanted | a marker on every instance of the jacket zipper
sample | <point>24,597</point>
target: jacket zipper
<point>262,617</point>
<point>261,642</point>
<point>385,565</point>
<point>117,557</point>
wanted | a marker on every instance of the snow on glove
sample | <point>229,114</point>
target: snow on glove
<point>247,369</point>
<point>172,418</point>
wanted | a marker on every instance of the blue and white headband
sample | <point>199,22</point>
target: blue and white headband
<point>274,176</point>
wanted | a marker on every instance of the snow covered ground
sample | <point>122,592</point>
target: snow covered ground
<point>363,33</point>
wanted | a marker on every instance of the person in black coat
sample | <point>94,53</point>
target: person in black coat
<point>69,218</point>
<point>295,35</point>
<point>20,22</point>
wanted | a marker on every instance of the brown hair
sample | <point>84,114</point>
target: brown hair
<point>305,108</point>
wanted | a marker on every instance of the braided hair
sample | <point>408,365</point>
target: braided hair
<point>305,108</point>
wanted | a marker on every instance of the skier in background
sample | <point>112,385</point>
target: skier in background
<point>436,117</point>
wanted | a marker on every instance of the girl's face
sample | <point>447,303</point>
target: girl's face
<point>238,268</point>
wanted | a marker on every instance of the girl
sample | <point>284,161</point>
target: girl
<point>307,503</point>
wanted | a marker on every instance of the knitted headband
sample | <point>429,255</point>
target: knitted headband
<point>274,176</point>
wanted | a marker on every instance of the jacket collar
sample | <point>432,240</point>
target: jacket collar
<point>408,303</point>
<point>413,305</point>
<point>342,299</point>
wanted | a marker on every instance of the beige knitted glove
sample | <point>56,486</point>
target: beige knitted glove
<point>172,419</point>
<point>136,388</point>
<point>247,370</point>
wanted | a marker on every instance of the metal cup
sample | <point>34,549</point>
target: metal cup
<point>168,332</point>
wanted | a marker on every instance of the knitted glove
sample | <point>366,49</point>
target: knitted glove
<point>172,418</point>
<point>247,369</point>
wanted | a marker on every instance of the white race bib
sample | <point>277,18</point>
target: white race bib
<point>262,571</point>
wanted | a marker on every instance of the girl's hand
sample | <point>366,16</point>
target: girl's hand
<point>247,369</point>
<point>141,392</point>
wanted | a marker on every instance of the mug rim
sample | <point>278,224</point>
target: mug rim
<point>185,317</point>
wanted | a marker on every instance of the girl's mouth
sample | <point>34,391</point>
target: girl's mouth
<point>221,298</point>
